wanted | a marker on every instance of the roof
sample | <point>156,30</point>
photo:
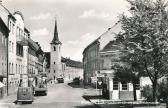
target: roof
<point>94,42</point>
<point>3,24</point>
<point>6,14</point>
<point>47,56</point>
<point>33,44</point>
<point>112,45</point>
<point>72,63</point>
<point>26,30</point>
<point>67,61</point>
<point>106,36</point>
<point>55,38</point>
<point>20,13</point>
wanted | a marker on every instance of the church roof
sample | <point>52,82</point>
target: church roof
<point>67,61</point>
<point>55,38</point>
<point>71,63</point>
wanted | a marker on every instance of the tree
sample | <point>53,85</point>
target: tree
<point>129,71</point>
<point>145,34</point>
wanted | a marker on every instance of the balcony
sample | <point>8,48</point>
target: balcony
<point>20,39</point>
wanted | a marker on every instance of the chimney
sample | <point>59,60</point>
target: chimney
<point>109,28</point>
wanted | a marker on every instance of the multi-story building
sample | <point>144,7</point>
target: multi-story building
<point>24,55</point>
<point>4,31</point>
<point>91,61</point>
<point>21,49</point>
<point>17,48</point>
<point>32,61</point>
<point>71,69</point>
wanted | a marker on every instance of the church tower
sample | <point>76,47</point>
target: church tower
<point>55,55</point>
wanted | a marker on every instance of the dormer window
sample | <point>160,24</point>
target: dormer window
<point>54,48</point>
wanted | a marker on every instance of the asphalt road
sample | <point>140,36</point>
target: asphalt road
<point>61,96</point>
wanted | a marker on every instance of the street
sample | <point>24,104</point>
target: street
<point>61,96</point>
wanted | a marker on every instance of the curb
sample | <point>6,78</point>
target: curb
<point>95,104</point>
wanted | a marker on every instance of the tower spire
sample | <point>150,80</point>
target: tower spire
<point>55,38</point>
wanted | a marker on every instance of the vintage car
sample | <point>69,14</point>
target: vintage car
<point>25,94</point>
<point>60,80</point>
<point>41,89</point>
<point>76,80</point>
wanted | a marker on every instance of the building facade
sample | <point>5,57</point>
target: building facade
<point>55,56</point>
<point>4,32</point>
<point>71,69</point>
<point>109,56</point>
<point>21,50</point>
<point>91,60</point>
<point>17,48</point>
<point>24,55</point>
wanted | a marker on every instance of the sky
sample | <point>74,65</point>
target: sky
<point>79,22</point>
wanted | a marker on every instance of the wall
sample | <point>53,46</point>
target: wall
<point>71,72</point>
<point>55,61</point>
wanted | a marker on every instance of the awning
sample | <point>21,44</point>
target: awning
<point>1,85</point>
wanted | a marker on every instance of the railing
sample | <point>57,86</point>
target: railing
<point>21,40</point>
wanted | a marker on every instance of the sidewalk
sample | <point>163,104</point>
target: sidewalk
<point>94,97</point>
<point>102,103</point>
<point>8,101</point>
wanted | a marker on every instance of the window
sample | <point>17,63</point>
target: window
<point>12,68</point>
<point>13,28</point>
<point>5,41</point>
<point>115,84</point>
<point>54,62</point>
<point>138,85</point>
<point>54,48</point>
<point>12,46</point>
<point>54,71</point>
<point>9,67</point>
<point>2,39</point>
<point>16,68</point>
<point>124,86</point>
<point>9,25</point>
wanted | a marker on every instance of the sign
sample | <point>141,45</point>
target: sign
<point>99,85</point>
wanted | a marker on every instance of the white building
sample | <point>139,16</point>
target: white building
<point>116,90</point>
<point>58,66</point>
<point>55,56</point>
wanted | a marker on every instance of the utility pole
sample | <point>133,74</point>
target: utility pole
<point>7,79</point>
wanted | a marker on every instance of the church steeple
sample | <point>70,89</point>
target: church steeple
<point>55,38</point>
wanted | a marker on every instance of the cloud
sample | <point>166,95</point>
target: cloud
<point>92,14</point>
<point>40,32</point>
<point>41,16</point>
<point>75,42</point>
<point>76,47</point>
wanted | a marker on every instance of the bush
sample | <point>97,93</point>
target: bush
<point>162,91</point>
<point>147,93</point>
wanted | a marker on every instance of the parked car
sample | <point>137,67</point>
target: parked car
<point>60,80</point>
<point>41,89</point>
<point>25,94</point>
<point>76,81</point>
